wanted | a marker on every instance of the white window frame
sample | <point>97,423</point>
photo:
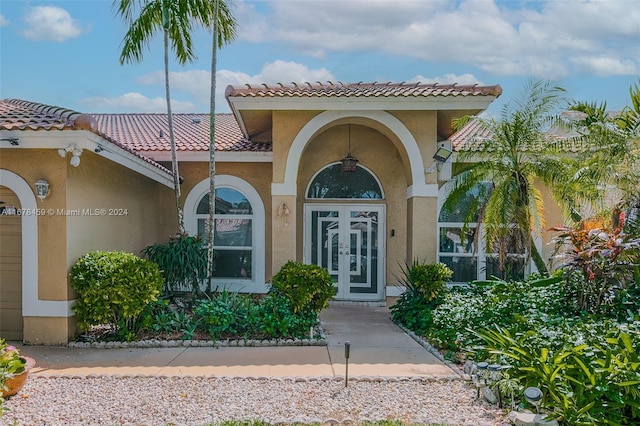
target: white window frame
<point>257,282</point>
<point>480,255</point>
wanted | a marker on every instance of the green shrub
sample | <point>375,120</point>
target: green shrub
<point>275,318</point>
<point>591,380</point>
<point>227,315</point>
<point>425,285</point>
<point>183,262</point>
<point>308,287</point>
<point>113,288</point>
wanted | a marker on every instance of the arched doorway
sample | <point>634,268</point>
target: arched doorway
<point>344,230</point>
<point>11,322</point>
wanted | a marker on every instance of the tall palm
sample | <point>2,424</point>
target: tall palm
<point>175,18</point>
<point>517,154</point>
<point>223,31</point>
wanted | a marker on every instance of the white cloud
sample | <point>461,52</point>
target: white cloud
<point>3,21</point>
<point>197,82</point>
<point>449,78</point>
<point>50,23</point>
<point>532,38</point>
<point>133,102</point>
<point>605,66</point>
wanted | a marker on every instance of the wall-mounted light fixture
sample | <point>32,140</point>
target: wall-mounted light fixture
<point>283,210</point>
<point>441,156</point>
<point>75,154</point>
<point>42,188</point>
<point>349,163</point>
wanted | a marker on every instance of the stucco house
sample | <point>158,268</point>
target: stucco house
<point>281,190</point>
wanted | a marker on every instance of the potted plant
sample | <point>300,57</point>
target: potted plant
<point>14,369</point>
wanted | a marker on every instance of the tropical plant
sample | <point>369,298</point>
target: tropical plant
<point>425,285</point>
<point>582,383</point>
<point>182,261</point>
<point>113,288</point>
<point>175,18</point>
<point>612,153</point>
<point>607,259</point>
<point>308,287</point>
<point>223,30</point>
<point>518,153</point>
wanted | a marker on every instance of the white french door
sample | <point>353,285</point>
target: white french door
<point>348,241</point>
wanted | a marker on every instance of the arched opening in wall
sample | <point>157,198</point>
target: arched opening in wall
<point>11,321</point>
<point>345,231</point>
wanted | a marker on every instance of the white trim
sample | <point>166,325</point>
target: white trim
<point>351,103</point>
<point>203,156</point>
<point>31,305</point>
<point>89,141</point>
<point>320,121</point>
<point>257,284</point>
<point>428,190</point>
<point>395,290</point>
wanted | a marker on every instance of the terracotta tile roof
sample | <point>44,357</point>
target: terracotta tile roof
<point>150,132</point>
<point>473,136</point>
<point>375,89</point>
<point>16,114</point>
<point>470,137</point>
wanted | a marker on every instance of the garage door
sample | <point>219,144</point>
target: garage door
<point>10,266</point>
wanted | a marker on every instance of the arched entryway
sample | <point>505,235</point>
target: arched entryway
<point>344,231</point>
<point>11,321</point>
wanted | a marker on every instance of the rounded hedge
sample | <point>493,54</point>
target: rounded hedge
<point>113,288</point>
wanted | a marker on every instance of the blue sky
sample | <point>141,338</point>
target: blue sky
<point>65,53</point>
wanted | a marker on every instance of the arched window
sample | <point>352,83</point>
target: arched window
<point>232,235</point>
<point>332,183</point>
<point>238,234</point>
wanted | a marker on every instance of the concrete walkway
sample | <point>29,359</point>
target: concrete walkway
<point>378,348</point>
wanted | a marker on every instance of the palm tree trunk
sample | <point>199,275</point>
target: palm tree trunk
<point>172,141</point>
<point>212,145</point>
<point>538,260</point>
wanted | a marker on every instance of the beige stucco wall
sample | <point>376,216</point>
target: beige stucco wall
<point>257,175</point>
<point>112,208</point>
<point>376,153</point>
<point>32,165</point>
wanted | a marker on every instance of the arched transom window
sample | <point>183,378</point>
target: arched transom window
<point>332,183</point>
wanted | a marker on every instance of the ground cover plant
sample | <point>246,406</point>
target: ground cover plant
<point>120,299</point>
<point>575,335</point>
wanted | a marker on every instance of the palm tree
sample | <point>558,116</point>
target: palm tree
<point>611,160</point>
<point>175,18</point>
<point>223,30</point>
<point>517,154</point>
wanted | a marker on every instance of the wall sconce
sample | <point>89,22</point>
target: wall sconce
<point>283,210</point>
<point>42,189</point>
<point>75,152</point>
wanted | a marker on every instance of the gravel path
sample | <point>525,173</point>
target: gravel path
<point>107,400</point>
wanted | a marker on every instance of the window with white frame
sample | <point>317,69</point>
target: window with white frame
<point>232,235</point>
<point>462,247</point>
<point>239,232</point>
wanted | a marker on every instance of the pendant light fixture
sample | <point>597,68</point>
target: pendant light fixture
<point>349,163</point>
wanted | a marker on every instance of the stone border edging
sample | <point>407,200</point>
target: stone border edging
<point>379,379</point>
<point>425,344</point>
<point>157,343</point>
